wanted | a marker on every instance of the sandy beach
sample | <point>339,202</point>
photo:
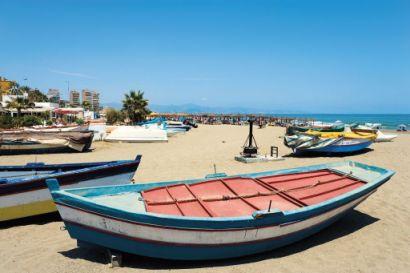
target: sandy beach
<point>373,238</point>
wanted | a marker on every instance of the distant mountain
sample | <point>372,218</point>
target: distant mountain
<point>198,109</point>
<point>115,105</point>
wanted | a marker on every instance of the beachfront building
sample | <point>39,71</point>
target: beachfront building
<point>86,96</point>
<point>95,101</point>
<point>5,99</point>
<point>53,95</point>
<point>74,98</point>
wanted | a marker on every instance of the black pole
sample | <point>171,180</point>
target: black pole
<point>250,132</point>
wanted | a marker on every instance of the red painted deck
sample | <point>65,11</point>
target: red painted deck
<point>230,197</point>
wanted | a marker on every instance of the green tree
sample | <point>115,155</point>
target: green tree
<point>37,96</point>
<point>113,116</point>
<point>15,89</point>
<point>86,105</point>
<point>28,121</point>
<point>19,103</point>
<point>24,89</point>
<point>135,106</point>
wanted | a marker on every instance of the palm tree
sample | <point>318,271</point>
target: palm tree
<point>19,103</point>
<point>135,106</point>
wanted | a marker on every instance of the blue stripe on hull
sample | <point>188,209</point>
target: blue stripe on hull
<point>176,252</point>
<point>339,148</point>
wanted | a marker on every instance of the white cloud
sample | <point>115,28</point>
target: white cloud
<point>73,74</point>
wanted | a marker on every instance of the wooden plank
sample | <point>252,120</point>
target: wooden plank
<point>175,201</point>
<point>240,197</point>
<point>208,210</point>
<point>282,194</point>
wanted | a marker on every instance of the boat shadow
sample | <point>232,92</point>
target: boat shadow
<point>353,221</point>
<point>32,220</point>
<point>311,155</point>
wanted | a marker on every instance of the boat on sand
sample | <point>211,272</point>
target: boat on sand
<point>313,144</point>
<point>216,218</point>
<point>380,136</point>
<point>23,190</point>
<point>37,141</point>
<point>136,134</point>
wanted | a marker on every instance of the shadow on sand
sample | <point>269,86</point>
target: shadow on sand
<point>352,222</point>
<point>341,155</point>
<point>32,220</point>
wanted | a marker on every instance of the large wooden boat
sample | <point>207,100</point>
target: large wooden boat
<point>23,191</point>
<point>216,218</point>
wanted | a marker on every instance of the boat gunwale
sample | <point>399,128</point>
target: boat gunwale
<point>38,182</point>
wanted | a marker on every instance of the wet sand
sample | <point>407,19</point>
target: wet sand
<point>373,238</point>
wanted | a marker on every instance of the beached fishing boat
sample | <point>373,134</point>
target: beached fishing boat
<point>23,191</point>
<point>291,130</point>
<point>216,218</point>
<point>37,141</point>
<point>380,136</point>
<point>136,134</point>
<point>177,125</point>
<point>303,144</point>
<point>345,135</point>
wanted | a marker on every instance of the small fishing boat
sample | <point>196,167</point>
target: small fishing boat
<point>177,125</point>
<point>303,144</point>
<point>136,134</point>
<point>345,135</point>
<point>38,141</point>
<point>291,130</point>
<point>381,137</point>
<point>216,218</point>
<point>23,191</point>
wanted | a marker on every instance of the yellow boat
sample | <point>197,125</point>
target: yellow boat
<point>347,135</point>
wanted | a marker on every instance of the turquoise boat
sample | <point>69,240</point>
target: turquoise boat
<point>216,217</point>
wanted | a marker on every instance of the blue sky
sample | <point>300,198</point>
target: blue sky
<point>308,56</point>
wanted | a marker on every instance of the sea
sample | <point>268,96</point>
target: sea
<point>388,121</point>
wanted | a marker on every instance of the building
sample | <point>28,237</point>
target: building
<point>53,95</point>
<point>92,97</point>
<point>95,101</point>
<point>86,96</point>
<point>74,98</point>
<point>9,98</point>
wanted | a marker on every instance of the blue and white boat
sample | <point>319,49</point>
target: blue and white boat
<point>219,217</point>
<point>171,127</point>
<point>304,144</point>
<point>23,189</point>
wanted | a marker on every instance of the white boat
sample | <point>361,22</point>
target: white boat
<point>136,134</point>
<point>380,136</point>
<point>384,138</point>
<point>99,129</point>
<point>376,126</point>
